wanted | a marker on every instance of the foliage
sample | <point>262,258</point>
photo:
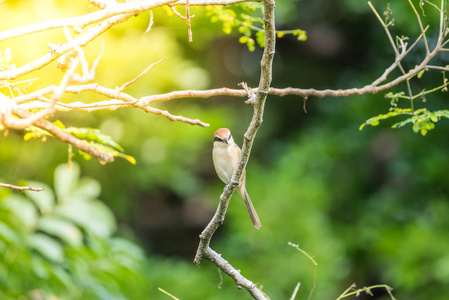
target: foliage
<point>370,207</point>
<point>62,244</point>
<point>94,137</point>
<point>240,16</point>
<point>422,119</point>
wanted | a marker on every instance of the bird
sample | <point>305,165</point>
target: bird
<point>225,156</point>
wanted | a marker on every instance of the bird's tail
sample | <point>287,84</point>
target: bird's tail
<point>249,206</point>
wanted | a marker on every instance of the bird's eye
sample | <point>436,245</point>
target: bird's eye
<point>217,139</point>
<point>230,136</point>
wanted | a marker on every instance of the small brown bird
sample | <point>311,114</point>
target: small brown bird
<point>225,155</point>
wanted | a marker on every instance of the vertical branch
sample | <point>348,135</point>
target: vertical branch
<point>258,102</point>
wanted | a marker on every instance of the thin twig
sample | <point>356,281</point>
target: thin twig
<point>295,291</point>
<point>58,51</point>
<point>420,26</point>
<point>129,8</point>
<point>120,89</point>
<point>167,293</point>
<point>314,263</point>
<point>150,24</point>
<point>367,290</point>
<point>20,188</point>
<point>188,20</point>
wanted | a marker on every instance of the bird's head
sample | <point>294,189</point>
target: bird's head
<point>223,135</point>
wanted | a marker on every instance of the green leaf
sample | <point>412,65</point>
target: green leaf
<point>112,152</point>
<point>61,229</point>
<point>93,135</point>
<point>301,34</point>
<point>93,216</point>
<point>9,235</point>
<point>65,181</point>
<point>243,39</point>
<point>416,127</point>
<point>23,209</point>
<point>251,44</point>
<point>423,131</point>
<point>434,117</point>
<point>87,188</point>
<point>260,38</point>
<point>44,200</point>
<point>47,246</point>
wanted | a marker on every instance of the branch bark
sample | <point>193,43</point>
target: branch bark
<point>204,250</point>
<point>20,188</point>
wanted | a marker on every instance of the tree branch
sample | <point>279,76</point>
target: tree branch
<point>27,117</point>
<point>20,188</point>
<point>204,250</point>
<point>129,8</point>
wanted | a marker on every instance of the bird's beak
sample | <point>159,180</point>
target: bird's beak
<point>226,141</point>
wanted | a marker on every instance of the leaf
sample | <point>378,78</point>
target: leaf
<point>23,209</point>
<point>260,38</point>
<point>87,188</point>
<point>65,181</point>
<point>62,229</point>
<point>423,131</point>
<point>92,216</point>
<point>433,117</point>
<point>251,44</point>
<point>243,39</point>
<point>112,152</point>
<point>47,246</point>
<point>44,200</point>
<point>35,133</point>
<point>416,127</point>
<point>301,34</point>
<point>9,235</point>
<point>93,135</point>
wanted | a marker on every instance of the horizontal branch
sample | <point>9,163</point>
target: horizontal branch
<point>110,11</point>
<point>118,100</point>
<point>20,188</point>
<point>87,19</point>
<point>58,51</point>
<point>212,2</point>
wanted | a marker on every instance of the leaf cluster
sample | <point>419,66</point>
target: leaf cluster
<point>246,17</point>
<point>94,137</point>
<point>61,244</point>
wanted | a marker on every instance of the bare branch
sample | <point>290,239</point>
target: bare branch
<point>204,249</point>
<point>20,188</point>
<point>114,9</point>
<point>119,100</point>
<point>421,27</point>
<point>140,75</point>
<point>57,51</point>
<point>111,9</point>
<point>213,2</point>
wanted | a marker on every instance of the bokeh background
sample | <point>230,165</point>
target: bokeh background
<point>371,206</point>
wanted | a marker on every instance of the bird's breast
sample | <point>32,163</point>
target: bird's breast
<point>223,163</point>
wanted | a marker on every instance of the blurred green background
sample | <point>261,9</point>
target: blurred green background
<point>371,207</point>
